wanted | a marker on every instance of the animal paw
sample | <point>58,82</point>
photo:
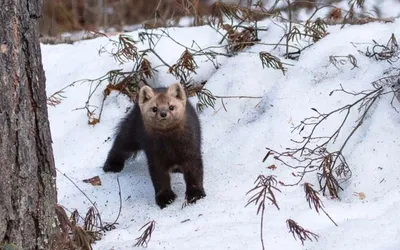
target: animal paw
<point>113,167</point>
<point>165,197</point>
<point>193,194</point>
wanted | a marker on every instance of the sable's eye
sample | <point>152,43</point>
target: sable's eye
<point>155,109</point>
<point>171,107</point>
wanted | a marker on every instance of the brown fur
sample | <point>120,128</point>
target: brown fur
<point>174,98</point>
<point>165,125</point>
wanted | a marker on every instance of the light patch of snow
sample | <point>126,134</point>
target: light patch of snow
<point>234,143</point>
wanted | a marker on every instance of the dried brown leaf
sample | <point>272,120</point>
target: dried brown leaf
<point>335,14</point>
<point>93,121</point>
<point>95,181</point>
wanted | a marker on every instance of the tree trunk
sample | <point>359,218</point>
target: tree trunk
<point>27,173</point>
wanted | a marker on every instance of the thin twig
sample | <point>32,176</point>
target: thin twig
<point>87,197</point>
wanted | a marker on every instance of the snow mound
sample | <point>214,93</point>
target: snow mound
<point>234,144</point>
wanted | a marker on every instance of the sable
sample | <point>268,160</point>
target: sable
<point>166,127</point>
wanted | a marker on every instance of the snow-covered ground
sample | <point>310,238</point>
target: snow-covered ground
<point>234,143</point>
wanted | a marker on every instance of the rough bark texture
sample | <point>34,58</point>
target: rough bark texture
<point>27,172</point>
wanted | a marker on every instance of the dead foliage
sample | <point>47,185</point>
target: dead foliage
<point>388,52</point>
<point>206,99</point>
<point>313,199</point>
<point>239,40</point>
<point>75,236</point>
<point>332,168</point>
<point>126,49</point>
<point>265,187</point>
<point>145,237</point>
<point>342,60</point>
<point>219,10</point>
<point>300,232</point>
<point>316,29</point>
<point>326,179</point>
<point>351,13</point>
<point>93,224</point>
<point>184,67</point>
<point>271,61</point>
<point>55,98</point>
<point>125,82</point>
<point>95,181</point>
<point>335,14</point>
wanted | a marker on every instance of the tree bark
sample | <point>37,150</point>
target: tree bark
<point>27,172</point>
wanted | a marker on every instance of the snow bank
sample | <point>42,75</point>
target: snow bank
<point>234,143</point>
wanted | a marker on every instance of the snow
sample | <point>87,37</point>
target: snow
<point>234,144</point>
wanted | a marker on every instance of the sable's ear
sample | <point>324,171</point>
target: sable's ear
<point>145,94</point>
<point>176,90</point>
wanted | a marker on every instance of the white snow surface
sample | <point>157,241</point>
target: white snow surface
<point>234,144</point>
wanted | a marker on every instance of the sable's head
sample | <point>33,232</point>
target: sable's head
<point>163,110</point>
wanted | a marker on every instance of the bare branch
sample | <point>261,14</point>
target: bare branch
<point>300,232</point>
<point>265,187</point>
<point>144,239</point>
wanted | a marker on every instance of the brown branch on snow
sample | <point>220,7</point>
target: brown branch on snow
<point>145,237</point>
<point>264,189</point>
<point>87,197</point>
<point>93,219</point>
<point>336,60</point>
<point>312,154</point>
<point>55,98</point>
<point>388,52</point>
<point>313,198</point>
<point>300,232</point>
<point>73,235</point>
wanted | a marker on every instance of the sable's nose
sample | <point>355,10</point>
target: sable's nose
<point>163,114</point>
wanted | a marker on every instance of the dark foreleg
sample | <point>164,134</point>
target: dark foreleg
<point>122,149</point>
<point>193,175</point>
<point>161,179</point>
